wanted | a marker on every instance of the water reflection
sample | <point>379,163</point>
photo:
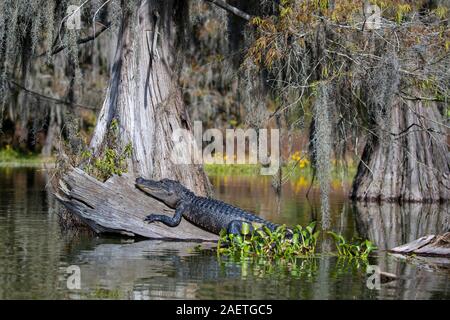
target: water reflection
<point>390,225</point>
<point>158,270</point>
<point>30,245</point>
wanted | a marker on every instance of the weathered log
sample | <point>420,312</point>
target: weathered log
<point>117,207</point>
<point>431,245</point>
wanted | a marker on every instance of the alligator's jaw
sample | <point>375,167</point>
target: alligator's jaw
<point>148,186</point>
<point>159,190</point>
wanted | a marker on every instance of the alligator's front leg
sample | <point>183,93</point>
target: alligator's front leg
<point>168,221</point>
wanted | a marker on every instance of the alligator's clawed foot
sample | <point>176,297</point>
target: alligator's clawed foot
<point>150,218</point>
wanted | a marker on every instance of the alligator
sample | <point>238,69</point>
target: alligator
<point>207,213</point>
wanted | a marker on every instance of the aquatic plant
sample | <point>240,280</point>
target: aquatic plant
<point>357,247</point>
<point>278,244</point>
<point>287,244</point>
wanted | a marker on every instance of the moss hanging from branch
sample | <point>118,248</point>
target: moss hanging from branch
<point>322,142</point>
<point>381,89</point>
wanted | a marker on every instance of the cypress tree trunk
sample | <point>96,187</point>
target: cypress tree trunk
<point>145,98</point>
<point>410,164</point>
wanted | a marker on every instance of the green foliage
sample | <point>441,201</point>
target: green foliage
<point>232,169</point>
<point>12,157</point>
<point>111,163</point>
<point>103,293</point>
<point>441,12</point>
<point>357,248</point>
<point>293,169</point>
<point>270,244</point>
<point>9,154</point>
<point>402,9</point>
<point>113,158</point>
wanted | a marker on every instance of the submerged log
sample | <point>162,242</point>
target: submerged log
<point>431,245</point>
<point>118,207</point>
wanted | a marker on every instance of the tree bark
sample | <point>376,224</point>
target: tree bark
<point>145,98</point>
<point>143,95</point>
<point>411,162</point>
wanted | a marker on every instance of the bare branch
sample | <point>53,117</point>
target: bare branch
<point>231,9</point>
<point>409,97</point>
<point>79,41</point>
<point>57,101</point>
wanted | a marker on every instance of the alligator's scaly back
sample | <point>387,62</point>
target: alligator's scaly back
<point>209,214</point>
<point>220,215</point>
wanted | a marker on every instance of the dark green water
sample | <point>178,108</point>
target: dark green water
<point>35,253</point>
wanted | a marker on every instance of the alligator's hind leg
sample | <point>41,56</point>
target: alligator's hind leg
<point>236,226</point>
<point>168,221</point>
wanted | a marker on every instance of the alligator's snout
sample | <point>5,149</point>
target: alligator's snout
<point>145,184</point>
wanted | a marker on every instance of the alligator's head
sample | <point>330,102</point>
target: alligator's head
<point>168,191</point>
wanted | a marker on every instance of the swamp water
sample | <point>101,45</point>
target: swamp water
<point>35,254</point>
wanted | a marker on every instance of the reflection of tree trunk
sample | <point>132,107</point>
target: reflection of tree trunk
<point>144,96</point>
<point>390,224</point>
<point>137,265</point>
<point>412,163</point>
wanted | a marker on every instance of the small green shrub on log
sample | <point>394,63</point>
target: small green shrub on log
<point>112,159</point>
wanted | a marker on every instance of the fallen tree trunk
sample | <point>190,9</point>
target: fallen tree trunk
<point>431,245</point>
<point>118,207</point>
